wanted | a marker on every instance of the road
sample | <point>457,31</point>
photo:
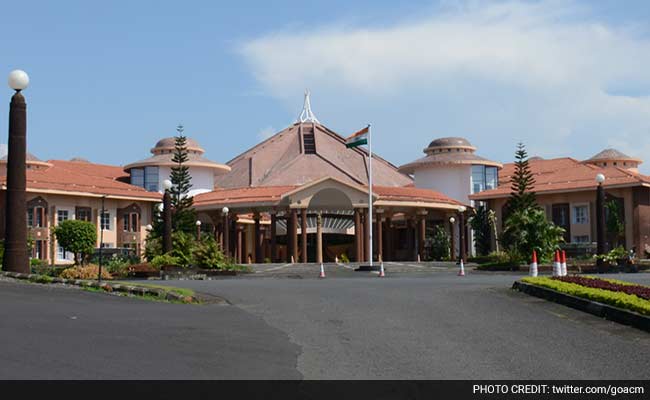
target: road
<point>423,324</point>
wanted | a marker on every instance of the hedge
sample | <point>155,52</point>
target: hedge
<point>616,299</point>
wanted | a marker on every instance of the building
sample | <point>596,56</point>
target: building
<point>451,166</point>
<point>151,172</point>
<point>60,190</point>
<point>304,182</point>
<point>566,189</point>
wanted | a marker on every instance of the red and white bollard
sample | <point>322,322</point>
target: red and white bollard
<point>382,274</point>
<point>322,271</point>
<point>557,267</point>
<point>461,271</point>
<point>533,265</point>
<point>563,265</point>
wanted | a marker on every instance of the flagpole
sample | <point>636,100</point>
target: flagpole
<point>370,191</point>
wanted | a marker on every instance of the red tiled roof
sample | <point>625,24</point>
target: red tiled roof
<point>409,193</point>
<point>81,177</point>
<point>563,175</point>
<point>242,195</point>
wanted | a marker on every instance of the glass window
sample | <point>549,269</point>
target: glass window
<point>491,178</point>
<point>61,254</point>
<point>134,222</point>
<point>151,179</point>
<point>83,214</point>
<point>125,222</point>
<point>581,239</point>
<point>580,214</point>
<point>30,217</point>
<point>478,178</point>
<point>106,221</point>
<point>61,215</point>
<point>137,177</point>
<point>40,217</point>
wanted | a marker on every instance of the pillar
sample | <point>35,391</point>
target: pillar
<point>226,235</point>
<point>461,236</point>
<point>390,245</point>
<point>240,244</point>
<point>380,239</point>
<point>256,239</point>
<point>303,235</point>
<point>421,234</point>
<point>292,236</point>
<point>274,244</point>
<point>357,235</point>
<point>366,235</point>
<point>319,239</point>
<point>410,236</point>
<point>452,235</point>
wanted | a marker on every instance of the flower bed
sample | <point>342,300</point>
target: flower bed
<point>612,285</point>
<point>615,298</point>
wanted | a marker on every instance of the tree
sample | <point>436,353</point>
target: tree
<point>183,215</point>
<point>527,230</point>
<point>78,237</point>
<point>440,244</point>
<point>521,184</point>
<point>480,223</point>
<point>614,221</point>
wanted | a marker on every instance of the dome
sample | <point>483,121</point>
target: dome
<point>79,159</point>
<point>168,144</point>
<point>451,142</point>
<point>614,158</point>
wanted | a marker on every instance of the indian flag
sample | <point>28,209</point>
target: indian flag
<point>358,139</point>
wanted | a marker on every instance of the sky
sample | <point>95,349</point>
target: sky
<point>108,79</point>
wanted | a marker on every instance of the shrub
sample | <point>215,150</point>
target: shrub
<point>183,248</point>
<point>76,236</point>
<point>206,254</point>
<point>613,256</point>
<point>85,272</point>
<point>2,250</point>
<point>440,244</point>
<point>344,258</point>
<point>528,230</point>
<point>481,225</point>
<point>164,260</point>
<point>637,290</point>
<point>617,299</point>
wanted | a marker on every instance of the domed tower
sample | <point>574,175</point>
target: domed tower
<point>451,166</point>
<point>614,158</point>
<point>151,172</point>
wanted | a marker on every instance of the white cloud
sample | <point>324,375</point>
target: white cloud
<point>548,66</point>
<point>266,133</point>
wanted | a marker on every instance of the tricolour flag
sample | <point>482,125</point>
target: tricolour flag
<point>357,139</point>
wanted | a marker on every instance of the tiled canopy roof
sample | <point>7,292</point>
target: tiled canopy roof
<point>289,159</point>
<point>611,154</point>
<point>81,178</point>
<point>564,175</point>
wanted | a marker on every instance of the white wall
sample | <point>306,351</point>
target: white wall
<point>451,180</point>
<point>202,178</point>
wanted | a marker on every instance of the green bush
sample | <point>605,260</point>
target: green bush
<point>344,258</point>
<point>617,299</point>
<point>2,250</point>
<point>528,230</point>
<point>76,236</point>
<point>206,254</point>
<point>165,260</point>
<point>440,244</point>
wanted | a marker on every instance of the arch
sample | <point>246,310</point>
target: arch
<point>330,199</point>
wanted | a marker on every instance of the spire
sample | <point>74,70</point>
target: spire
<point>307,115</point>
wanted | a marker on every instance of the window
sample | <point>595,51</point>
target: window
<point>581,239</point>
<point>36,217</point>
<point>137,177</point>
<point>151,179</point>
<point>83,214</point>
<point>580,214</point>
<point>483,178</point>
<point>130,222</point>
<point>105,221</point>
<point>61,215</point>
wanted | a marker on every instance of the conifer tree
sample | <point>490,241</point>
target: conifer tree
<point>183,215</point>
<point>522,184</point>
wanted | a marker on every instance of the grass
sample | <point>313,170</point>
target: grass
<point>617,299</point>
<point>143,297</point>
<point>181,291</point>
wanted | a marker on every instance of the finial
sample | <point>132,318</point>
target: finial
<point>307,115</point>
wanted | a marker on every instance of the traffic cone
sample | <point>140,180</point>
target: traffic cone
<point>322,271</point>
<point>461,272</point>
<point>381,270</point>
<point>557,268</point>
<point>533,265</point>
<point>564,271</point>
<point>336,259</point>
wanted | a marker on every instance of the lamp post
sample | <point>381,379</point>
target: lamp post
<point>198,230</point>
<point>167,217</point>
<point>101,240</point>
<point>451,229</point>
<point>16,258</point>
<point>461,232</point>
<point>600,218</point>
<point>226,232</point>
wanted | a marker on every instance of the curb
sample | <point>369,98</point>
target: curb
<point>592,307</point>
<point>106,286</point>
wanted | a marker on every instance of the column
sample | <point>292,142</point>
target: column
<point>390,243</point>
<point>410,236</point>
<point>380,239</point>
<point>461,236</point>
<point>366,235</point>
<point>319,239</point>
<point>292,232</point>
<point>422,233</point>
<point>357,235</point>
<point>274,244</point>
<point>240,243</point>
<point>303,234</point>
<point>452,236</point>
<point>226,235</point>
<point>257,252</point>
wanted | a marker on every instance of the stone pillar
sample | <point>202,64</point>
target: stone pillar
<point>366,235</point>
<point>226,235</point>
<point>410,237</point>
<point>303,235</point>
<point>380,238</point>
<point>274,244</point>
<point>422,233</point>
<point>390,243</point>
<point>240,234</point>
<point>257,252</point>
<point>292,236</point>
<point>319,239</point>
<point>357,235</point>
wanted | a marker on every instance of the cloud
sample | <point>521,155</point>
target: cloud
<point>548,72</point>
